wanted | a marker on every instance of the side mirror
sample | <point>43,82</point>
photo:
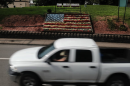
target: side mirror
<point>48,61</point>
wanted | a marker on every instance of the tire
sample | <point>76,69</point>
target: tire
<point>101,84</point>
<point>117,81</point>
<point>29,80</point>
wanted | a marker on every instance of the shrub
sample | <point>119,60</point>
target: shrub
<point>123,28</point>
<point>111,24</point>
<point>95,1</point>
<point>49,11</point>
<point>1,28</point>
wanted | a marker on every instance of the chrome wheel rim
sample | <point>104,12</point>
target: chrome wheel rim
<point>117,83</point>
<point>29,81</point>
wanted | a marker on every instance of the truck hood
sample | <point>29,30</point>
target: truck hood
<point>29,54</point>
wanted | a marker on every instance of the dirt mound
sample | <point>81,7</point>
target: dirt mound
<point>35,29</point>
<point>23,20</point>
<point>26,20</point>
<point>100,26</point>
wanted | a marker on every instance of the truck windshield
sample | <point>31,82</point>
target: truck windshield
<point>43,51</point>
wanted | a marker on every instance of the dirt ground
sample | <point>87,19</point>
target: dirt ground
<point>100,24</point>
<point>23,20</point>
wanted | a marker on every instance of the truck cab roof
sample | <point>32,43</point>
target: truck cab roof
<point>75,42</point>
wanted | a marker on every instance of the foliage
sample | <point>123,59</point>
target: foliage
<point>111,24</point>
<point>5,3</point>
<point>128,21</point>
<point>108,2</point>
<point>94,19</point>
<point>103,2</point>
<point>123,28</point>
<point>93,10</point>
<point>1,27</point>
<point>42,2</point>
<point>49,11</point>
<point>95,1</point>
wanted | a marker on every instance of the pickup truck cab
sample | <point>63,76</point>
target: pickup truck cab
<point>71,60</point>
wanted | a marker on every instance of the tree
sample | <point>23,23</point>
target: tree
<point>5,3</point>
<point>94,1</point>
<point>108,2</point>
<point>41,2</point>
<point>69,1</point>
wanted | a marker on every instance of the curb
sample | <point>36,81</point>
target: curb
<point>24,44</point>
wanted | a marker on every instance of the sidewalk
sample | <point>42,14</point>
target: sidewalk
<point>25,41</point>
<point>45,42</point>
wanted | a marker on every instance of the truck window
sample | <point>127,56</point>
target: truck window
<point>60,56</point>
<point>115,55</point>
<point>83,56</point>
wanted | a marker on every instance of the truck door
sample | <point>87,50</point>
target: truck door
<point>84,69</point>
<point>58,70</point>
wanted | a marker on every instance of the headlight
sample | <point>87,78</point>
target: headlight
<point>13,71</point>
<point>13,68</point>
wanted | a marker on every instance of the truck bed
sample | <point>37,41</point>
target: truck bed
<point>114,55</point>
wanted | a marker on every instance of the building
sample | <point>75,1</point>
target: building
<point>21,3</point>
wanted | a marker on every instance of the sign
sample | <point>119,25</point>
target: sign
<point>66,4</point>
<point>59,4</point>
<point>123,3</point>
<point>74,4</point>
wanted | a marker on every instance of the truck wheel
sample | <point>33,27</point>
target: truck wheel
<point>117,81</point>
<point>29,80</point>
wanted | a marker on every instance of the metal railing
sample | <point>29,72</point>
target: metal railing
<point>56,35</point>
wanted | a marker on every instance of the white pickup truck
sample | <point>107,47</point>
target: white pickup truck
<point>71,61</point>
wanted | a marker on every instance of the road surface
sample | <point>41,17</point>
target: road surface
<point>5,52</point>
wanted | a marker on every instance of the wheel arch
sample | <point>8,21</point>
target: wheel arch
<point>30,72</point>
<point>118,74</point>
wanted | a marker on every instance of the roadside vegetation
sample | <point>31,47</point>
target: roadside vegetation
<point>0,27</point>
<point>93,10</point>
<point>103,16</point>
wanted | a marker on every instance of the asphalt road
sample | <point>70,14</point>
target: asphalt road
<point>5,52</point>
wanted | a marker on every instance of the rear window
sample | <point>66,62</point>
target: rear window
<point>115,55</point>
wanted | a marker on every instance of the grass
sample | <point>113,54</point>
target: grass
<point>38,10</point>
<point>128,22</point>
<point>93,10</point>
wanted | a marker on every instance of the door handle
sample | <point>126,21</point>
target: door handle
<point>65,66</point>
<point>93,67</point>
